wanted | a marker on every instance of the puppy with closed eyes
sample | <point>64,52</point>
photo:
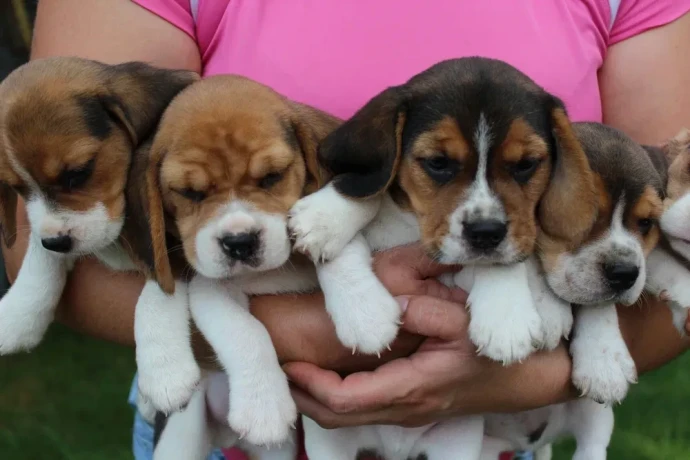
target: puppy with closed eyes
<point>668,266</point>
<point>474,159</point>
<point>231,157</point>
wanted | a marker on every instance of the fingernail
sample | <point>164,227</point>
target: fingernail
<point>403,300</point>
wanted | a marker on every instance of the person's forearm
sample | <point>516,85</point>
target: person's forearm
<point>649,332</point>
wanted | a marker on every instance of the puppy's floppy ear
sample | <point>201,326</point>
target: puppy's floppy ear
<point>676,145</point>
<point>568,209</point>
<point>145,226</point>
<point>660,160</point>
<point>308,127</point>
<point>137,95</point>
<point>8,214</point>
<point>364,152</point>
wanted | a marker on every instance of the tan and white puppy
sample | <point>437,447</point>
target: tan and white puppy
<point>230,159</point>
<point>73,134</point>
<point>477,160</point>
<point>668,266</point>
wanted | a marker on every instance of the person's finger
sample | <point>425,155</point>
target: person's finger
<point>433,317</point>
<point>310,407</point>
<point>434,288</point>
<point>415,257</point>
<point>389,384</point>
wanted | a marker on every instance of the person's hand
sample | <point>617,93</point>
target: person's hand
<point>408,270</point>
<point>444,378</point>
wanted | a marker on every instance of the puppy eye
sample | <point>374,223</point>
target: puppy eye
<point>193,195</point>
<point>523,170</point>
<point>440,168</point>
<point>70,179</point>
<point>270,179</point>
<point>645,225</point>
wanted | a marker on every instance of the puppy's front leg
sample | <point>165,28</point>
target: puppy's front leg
<point>365,315</point>
<point>602,366</point>
<point>670,280</point>
<point>556,314</point>
<point>168,372</point>
<point>261,408</point>
<point>28,308</point>
<point>460,438</point>
<point>325,221</point>
<point>504,324</point>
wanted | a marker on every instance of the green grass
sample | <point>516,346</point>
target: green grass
<point>67,401</point>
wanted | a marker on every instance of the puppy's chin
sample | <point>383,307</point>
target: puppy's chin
<point>675,220</point>
<point>98,238</point>
<point>455,250</point>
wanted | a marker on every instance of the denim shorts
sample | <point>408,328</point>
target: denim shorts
<point>142,432</point>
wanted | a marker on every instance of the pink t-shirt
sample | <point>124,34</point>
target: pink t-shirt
<point>337,54</point>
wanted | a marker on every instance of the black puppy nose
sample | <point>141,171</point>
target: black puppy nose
<point>621,276</point>
<point>485,234</point>
<point>240,246</point>
<point>62,243</point>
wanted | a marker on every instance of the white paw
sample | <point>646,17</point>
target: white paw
<point>317,228</point>
<point>603,374</point>
<point>168,384</point>
<point>19,330</point>
<point>557,321</point>
<point>504,337</point>
<point>369,320</point>
<point>263,417</point>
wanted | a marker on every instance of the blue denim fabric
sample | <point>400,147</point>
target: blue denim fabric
<point>142,433</point>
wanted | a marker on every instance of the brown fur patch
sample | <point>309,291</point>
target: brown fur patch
<point>677,151</point>
<point>648,206</point>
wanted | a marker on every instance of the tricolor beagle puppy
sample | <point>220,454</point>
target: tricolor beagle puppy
<point>230,158</point>
<point>668,265</point>
<point>475,160</point>
<point>73,134</point>
<point>481,158</point>
<point>608,267</point>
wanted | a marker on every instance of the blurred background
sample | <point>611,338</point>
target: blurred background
<point>67,400</point>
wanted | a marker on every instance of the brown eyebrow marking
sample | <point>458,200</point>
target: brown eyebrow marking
<point>444,136</point>
<point>520,140</point>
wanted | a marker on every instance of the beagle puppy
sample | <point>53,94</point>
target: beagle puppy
<point>72,132</point>
<point>230,158</point>
<point>608,267</point>
<point>668,266</point>
<point>481,157</point>
<point>475,160</point>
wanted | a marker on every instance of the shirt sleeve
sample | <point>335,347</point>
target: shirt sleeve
<point>176,12</point>
<point>633,17</point>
